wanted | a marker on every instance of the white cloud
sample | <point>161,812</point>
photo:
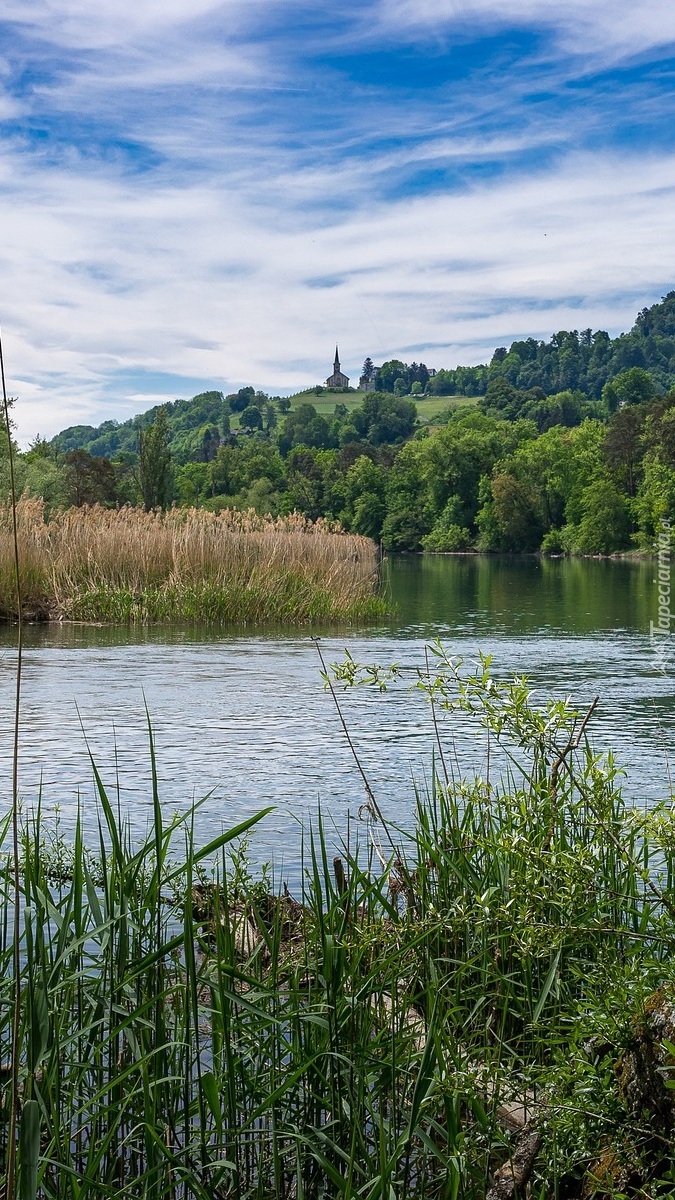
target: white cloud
<point>108,23</point>
<point>209,263</point>
<point>195,283</point>
<point>602,28</point>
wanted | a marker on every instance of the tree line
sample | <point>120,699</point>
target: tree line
<point>480,481</point>
<point>584,361</point>
<point>520,469</point>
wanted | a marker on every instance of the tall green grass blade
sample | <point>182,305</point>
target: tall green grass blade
<point>29,1150</point>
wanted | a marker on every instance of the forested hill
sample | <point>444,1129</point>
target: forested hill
<point>516,467</point>
<point>187,420</point>
<point>583,362</point>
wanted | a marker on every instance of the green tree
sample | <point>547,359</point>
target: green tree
<point>517,512</point>
<point>251,418</point>
<point>610,397</point>
<point>304,482</point>
<point>380,419</point>
<point>305,427</point>
<point>365,489</point>
<point>240,400</point>
<point>262,497</point>
<point>449,532</point>
<point>88,480</point>
<point>655,499</point>
<point>237,467</point>
<point>547,465</point>
<point>193,483</point>
<point>127,478</point>
<point>388,373</point>
<point>154,462</point>
<point>40,448</point>
<point>624,446</point>
<point>634,386</point>
<point>605,522</point>
<point>44,478</point>
<point>403,530</point>
<point>368,372</point>
<point>659,434</point>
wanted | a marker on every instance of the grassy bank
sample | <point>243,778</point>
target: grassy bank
<point>427,407</point>
<point>484,1005</point>
<point>125,565</point>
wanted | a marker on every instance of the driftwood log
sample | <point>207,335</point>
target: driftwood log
<point>510,1179</point>
<point>646,1064</point>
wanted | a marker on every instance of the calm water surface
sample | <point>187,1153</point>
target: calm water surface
<point>244,716</point>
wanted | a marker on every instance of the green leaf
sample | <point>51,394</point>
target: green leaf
<point>223,838</point>
<point>38,1032</point>
<point>29,1150</point>
<point>548,984</point>
<point>210,1089</point>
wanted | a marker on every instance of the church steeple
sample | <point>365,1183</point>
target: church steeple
<point>337,379</point>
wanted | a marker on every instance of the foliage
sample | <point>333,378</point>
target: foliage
<point>390,372</point>
<point>380,419</point>
<point>240,400</point>
<point>154,463</point>
<point>188,1032</point>
<point>88,480</point>
<point>448,533</point>
<point>305,427</point>
<point>515,467</point>
<point>368,370</point>
<point>587,361</point>
<point>634,386</point>
<point>251,417</point>
<point>462,381</point>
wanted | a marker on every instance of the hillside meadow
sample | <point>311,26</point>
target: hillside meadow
<point>324,402</point>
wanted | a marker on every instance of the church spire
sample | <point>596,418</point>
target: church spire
<point>337,379</point>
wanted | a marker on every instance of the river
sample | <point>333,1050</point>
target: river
<point>243,716</point>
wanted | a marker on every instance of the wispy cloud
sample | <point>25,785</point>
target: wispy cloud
<point>208,195</point>
<point>597,28</point>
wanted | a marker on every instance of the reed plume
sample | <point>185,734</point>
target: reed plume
<point>98,564</point>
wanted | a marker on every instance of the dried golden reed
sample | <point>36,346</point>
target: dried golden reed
<point>125,564</point>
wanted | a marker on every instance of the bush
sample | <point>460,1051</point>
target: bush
<point>403,530</point>
<point>556,541</point>
<point>454,537</point>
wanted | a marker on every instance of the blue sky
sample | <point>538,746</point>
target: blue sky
<point>202,194</point>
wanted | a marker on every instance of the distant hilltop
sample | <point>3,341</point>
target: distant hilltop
<point>583,362</point>
<point>368,381</point>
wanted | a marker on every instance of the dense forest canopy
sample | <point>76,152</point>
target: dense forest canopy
<point>579,361</point>
<point>565,446</point>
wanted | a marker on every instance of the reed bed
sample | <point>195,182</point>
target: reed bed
<point>128,566</point>
<point>433,1009</point>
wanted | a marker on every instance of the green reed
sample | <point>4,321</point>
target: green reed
<point>189,1031</point>
<point>286,598</point>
